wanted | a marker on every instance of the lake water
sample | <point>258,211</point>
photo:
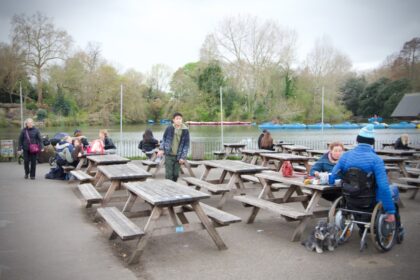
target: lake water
<point>211,135</point>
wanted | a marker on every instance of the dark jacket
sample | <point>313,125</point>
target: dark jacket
<point>184,143</point>
<point>365,158</point>
<point>400,146</point>
<point>259,140</point>
<point>109,144</point>
<point>148,145</point>
<point>322,165</point>
<point>34,135</point>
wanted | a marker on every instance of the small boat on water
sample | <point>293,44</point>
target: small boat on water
<point>165,121</point>
<point>150,121</point>
<point>402,125</point>
<point>318,126</point>
<point>346,125</point>
<point>270,125</point>
<point>217,123</point>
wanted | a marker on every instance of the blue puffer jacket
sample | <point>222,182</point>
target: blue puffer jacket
<point>184,143</point>
<point>365,158</point>
<point>322,165</point>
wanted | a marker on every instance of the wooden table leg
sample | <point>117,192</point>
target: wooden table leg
<point>99,179</point>
<point>403,170</point>
<point>173,216</point>
<point>205,174</point>
<point>148,230</point>
<point>266,191</point>
<point>110,191</point>
<point>209,227</point>
<point>130,202</point>
<point>253,215</point>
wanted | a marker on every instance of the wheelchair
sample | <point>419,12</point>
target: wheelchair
<point>357,206</point>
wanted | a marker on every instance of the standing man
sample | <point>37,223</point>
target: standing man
<point>175,145</point>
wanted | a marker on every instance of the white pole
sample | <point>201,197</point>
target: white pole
<point>322,114</point>
<point>221,114</point>
<point>21,105</point>
<point>121,115</point>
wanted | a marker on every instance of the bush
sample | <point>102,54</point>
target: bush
<point>31,106</point>
<point>41,114</point>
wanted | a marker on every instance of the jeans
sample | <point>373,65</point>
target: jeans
<point>171,168</point>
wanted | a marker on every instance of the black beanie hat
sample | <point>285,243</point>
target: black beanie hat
<point>365,140</point>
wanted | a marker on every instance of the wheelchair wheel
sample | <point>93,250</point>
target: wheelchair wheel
<point>341,220</point>
<point>51,160</point>
<point>382,232</point>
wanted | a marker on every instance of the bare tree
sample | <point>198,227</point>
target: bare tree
<point>41,41</point>
<point>209,51</point>
<point>11,69</point>
<point>158,77</point>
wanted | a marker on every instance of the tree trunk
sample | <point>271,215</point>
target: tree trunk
<point>39,85</point>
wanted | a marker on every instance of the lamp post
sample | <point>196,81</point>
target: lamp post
<point>121,114</point>
<point>221,114</point>
<point>21,104</point>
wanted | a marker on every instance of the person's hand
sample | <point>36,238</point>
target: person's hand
<point>181,161</point>
<point>390,218</point>
<point>160,153</point>
<point>20,152</point>
<point>316,174</point>
<point>42,150</point>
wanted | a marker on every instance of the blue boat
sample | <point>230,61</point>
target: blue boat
<point>165,121</point>
<point>346,125</point>
<point>150,121</point>
<point>270,125</point>
<point>402,125</point>
<point>375,119</point>
<point>376,125</point>
<point>294,126</point>
<point>318,126</point>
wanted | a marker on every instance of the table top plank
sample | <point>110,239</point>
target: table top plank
<point>395,152</point>
<point>284,156</point>
<point>164,192</point>
<point>235,166</point>
<point>123,171</point>
<point>108,159</point>
<point>256,151</point>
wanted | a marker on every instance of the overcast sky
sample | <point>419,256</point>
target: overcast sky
<point>139,33</point>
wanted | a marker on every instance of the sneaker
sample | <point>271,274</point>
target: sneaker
<point>32,178</point>
<point>26,176</point>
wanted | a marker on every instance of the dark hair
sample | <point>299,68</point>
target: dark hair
<point>148,134</point>
<point>176,115</point>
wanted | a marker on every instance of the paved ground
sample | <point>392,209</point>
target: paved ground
<point>45,233</point>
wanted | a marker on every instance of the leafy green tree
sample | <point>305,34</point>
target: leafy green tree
<point>351,92</point>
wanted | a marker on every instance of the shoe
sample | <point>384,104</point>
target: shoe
<point>26,176</point>
<point>32,178</point>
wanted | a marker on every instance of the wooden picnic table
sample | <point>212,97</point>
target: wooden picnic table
<point>281,205</point>
<point>116,174</point>
<point>279,146</point>
<point>251,156</point>
<point>393,152</point>
<point>399,161</point>
<point>83,157</point>
<point>104,160</point>
<point>281,157</point>
<point>166,194</point>
<point>313,153</point>
<point>234,168</point>
<point>233,148</point>
<point>295,149</point>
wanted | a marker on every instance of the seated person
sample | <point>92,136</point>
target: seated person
<point>104,136</point>
<point>402,143</point>
<point>64,150</point>
<point>77,151</point>
<point>149,143</point>
<point>266,141</point>
<point>78,134</point>
<point>364,158</point>
<point>326,164</point>
<point>260,137</point>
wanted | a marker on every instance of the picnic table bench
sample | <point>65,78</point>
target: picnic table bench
<point>177,199</point>
<point>117,174</point>
<point>280,205</point>
<point>279,146</point>
<point>415,182</point>
<point>295,149</point>
<point>81,176</point>
<point>90,194</point>
<point>233,148</point>
<point>251,156</point>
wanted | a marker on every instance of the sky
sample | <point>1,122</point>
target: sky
<point>140,33</point>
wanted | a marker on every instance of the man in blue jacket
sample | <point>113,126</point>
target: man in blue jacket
<point>365,158</point>
<point>175,145</point>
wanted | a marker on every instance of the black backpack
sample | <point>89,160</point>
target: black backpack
<point>359,189</point>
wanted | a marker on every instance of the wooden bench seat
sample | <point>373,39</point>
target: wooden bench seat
<point>404,187</point>
<point>120,224</point>
<point>211,188</point>
<point>413,171</point>
<point>90,194</point>
<point>280,209</point>
<point>81,176</point>
<point>193,163</point>
<point>153,164</point>
<point>219,217</point>
<point>68,168</point>
<point>148,162</point>
<point>219,154</point>
<point>250,178</point>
